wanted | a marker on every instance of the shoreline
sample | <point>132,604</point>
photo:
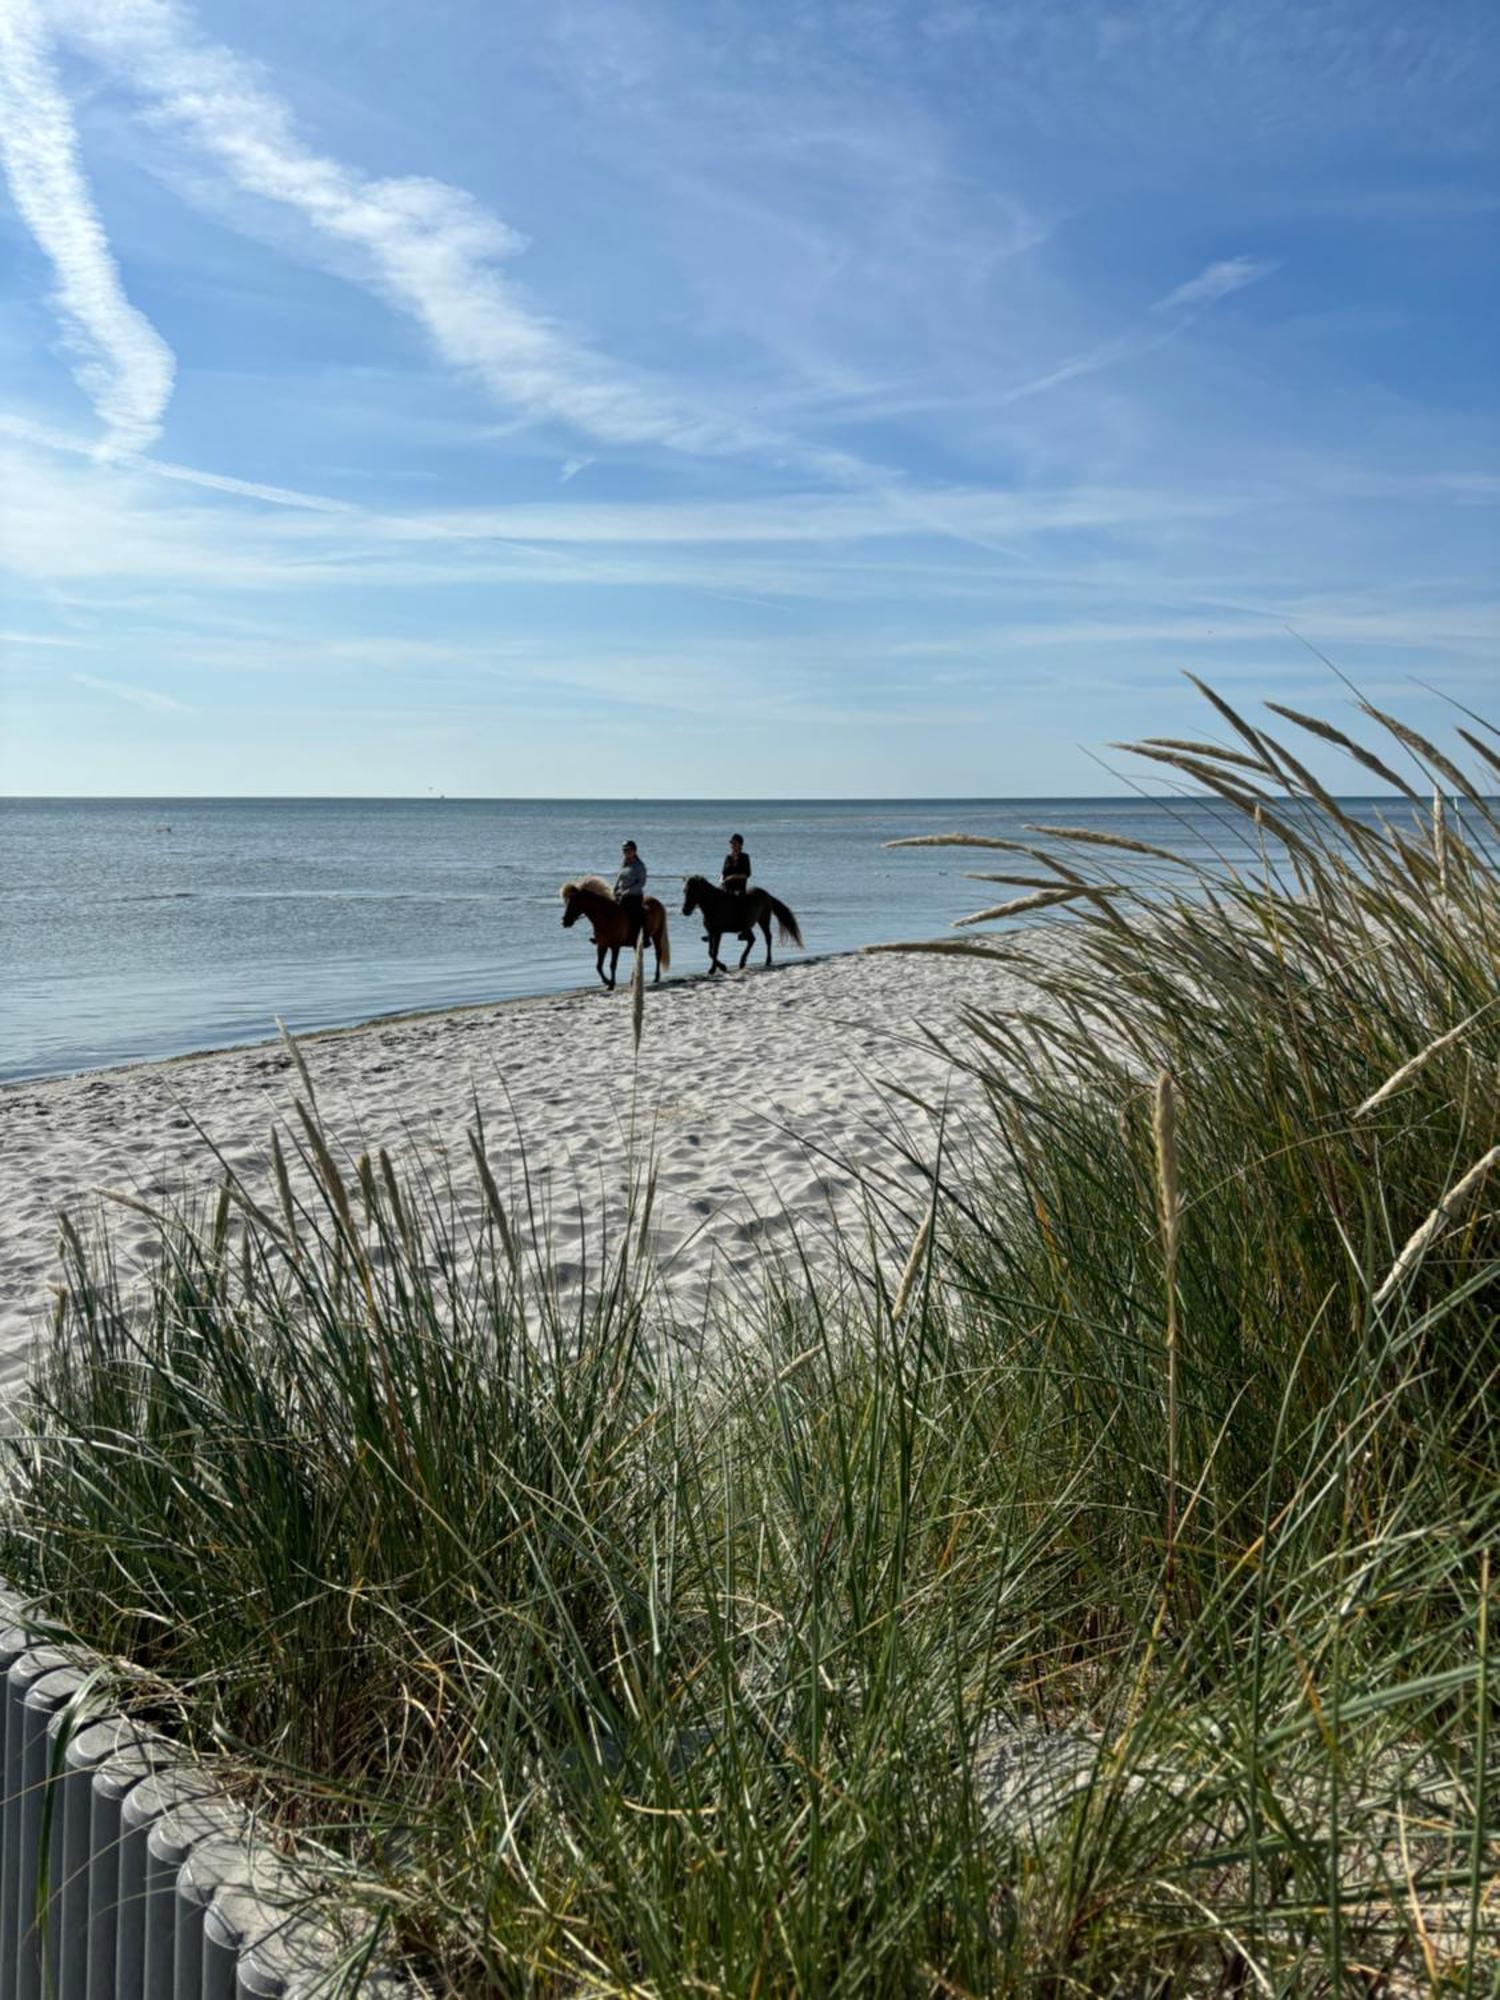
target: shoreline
<point>763,1103</point>
<point>439,1012</point>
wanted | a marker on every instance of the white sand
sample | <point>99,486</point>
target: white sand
<point>764,1097</point>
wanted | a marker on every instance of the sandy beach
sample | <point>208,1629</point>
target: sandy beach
<point>763,1100</point>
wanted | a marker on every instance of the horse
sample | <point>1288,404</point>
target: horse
<point>723,912</point>
<point>591,898</point>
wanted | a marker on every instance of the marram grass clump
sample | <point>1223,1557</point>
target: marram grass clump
<point>1105,1608</point>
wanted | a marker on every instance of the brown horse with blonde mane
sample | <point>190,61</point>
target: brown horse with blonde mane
<point>591,898</point>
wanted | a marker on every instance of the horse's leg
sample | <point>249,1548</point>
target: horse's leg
<point>749,937</point>
<point>765,924</point>
<point>656,947</point>
<point>614,966</point>
<point>599,961</point>
<point>713,952</point>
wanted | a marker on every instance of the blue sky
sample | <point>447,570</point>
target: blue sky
<point>742,397</point>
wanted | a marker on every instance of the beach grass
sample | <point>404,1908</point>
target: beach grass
<point>1101,1603</point>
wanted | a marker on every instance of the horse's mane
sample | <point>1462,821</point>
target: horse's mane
<point>595,882</point>
<point>697,882</point>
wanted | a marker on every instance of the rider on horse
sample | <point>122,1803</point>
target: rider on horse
<point>734,876</point>
<point>630,888</point>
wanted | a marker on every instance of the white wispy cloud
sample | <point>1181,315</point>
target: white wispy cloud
<point>249,489</point>
<point>977,515</point>
<point>1215,282</point>
<point>1124,347</point>
<point>121,361</point>
<point>960,514</point>
<point>67,523</point>
<point>27,432</point>
<point>128,551</point>
<point>428,248</point>
<point>139,697</point>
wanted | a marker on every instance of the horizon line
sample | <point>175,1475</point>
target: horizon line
<point>1124,796</point>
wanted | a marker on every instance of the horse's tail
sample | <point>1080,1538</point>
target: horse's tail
<point>790,934</point>
<point>664,944</point>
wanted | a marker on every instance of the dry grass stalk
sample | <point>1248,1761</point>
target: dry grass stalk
<point>1042,900</point>
<point>1096,837</point>
<point>951,948</point>
<point>1168,1184</point>
<point>492,1199</point>
<point>638,992</point>
<point>1409,1069</point>
<point>1201,769</point>
<point>958,840</point>
<point>1214,750</point>
<point>296,1055</point>
<point>337,1192</point>
<point>1439,840</point>
<point>283,1187</point>
<point>1483,749</point>
<point>1254,804</point>
<point>369,1193</point>
<point>132,1202</point>
<point>643,1233</point>
<point>906,1284</point>
<point>911,1097</point>
<point>1169,1214</point>
<point>397,1205</point>
<point>1304,778</point>
<point>797,1361</point>
<point>1258,744</point>
<point>328,1172</point>
<point>1447,1211</point>
<point>1013,881</point>
<point>1357,751</point>
<point>1481,1765</point>
<point>220,1234</point>
<point>251,1208</point>
<point>1426,752</point>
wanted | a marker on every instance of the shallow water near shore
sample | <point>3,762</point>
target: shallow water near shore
<point>133,929</point>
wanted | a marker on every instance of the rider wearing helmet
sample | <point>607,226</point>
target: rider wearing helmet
<point>630,888</point>
<point>734,876</point>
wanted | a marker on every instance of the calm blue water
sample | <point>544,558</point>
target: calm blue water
<point>132,929</point>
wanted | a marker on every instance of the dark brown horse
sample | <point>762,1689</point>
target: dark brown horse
<point>611,924</point>
<point>724,914</point>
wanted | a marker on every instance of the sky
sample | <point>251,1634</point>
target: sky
<point>745,398</point>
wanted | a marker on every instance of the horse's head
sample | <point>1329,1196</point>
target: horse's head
<point>583,898</point>
<point>694,890</point>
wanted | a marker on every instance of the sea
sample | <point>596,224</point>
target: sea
<point>132,929</point>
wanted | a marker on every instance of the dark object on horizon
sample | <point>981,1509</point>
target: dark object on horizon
<point>612,923</point>
<point>739,915</point>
